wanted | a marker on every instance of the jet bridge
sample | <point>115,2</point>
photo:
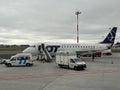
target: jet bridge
<point>44,51</point>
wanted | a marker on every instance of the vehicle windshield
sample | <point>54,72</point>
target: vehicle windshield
<point>77,60</point>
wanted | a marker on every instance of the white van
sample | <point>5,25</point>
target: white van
<point>20,59</point>
<point>70,61</point>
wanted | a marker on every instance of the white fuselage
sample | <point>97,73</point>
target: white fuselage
<point>81,47</point>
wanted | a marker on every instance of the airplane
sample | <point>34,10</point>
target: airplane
<point>52,49</point>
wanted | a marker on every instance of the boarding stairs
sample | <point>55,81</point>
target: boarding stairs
<point>48,57</point>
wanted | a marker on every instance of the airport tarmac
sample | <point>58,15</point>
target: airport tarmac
<point>102,74</point>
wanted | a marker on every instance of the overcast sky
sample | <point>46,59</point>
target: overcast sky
<point>35,21</point>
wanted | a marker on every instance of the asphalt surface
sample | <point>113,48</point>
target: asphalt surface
<point>102,74</point>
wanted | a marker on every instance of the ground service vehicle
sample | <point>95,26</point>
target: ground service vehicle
<point>70,61</point>
<point>19,60</point>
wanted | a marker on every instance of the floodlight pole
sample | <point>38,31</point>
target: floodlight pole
<point>77,13</point>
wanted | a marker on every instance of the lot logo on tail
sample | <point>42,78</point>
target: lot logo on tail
<point>110,37</point>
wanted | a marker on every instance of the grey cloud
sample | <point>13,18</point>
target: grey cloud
<point>55,19</point>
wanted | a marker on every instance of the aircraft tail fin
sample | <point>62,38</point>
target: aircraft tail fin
<point>110,38</point>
